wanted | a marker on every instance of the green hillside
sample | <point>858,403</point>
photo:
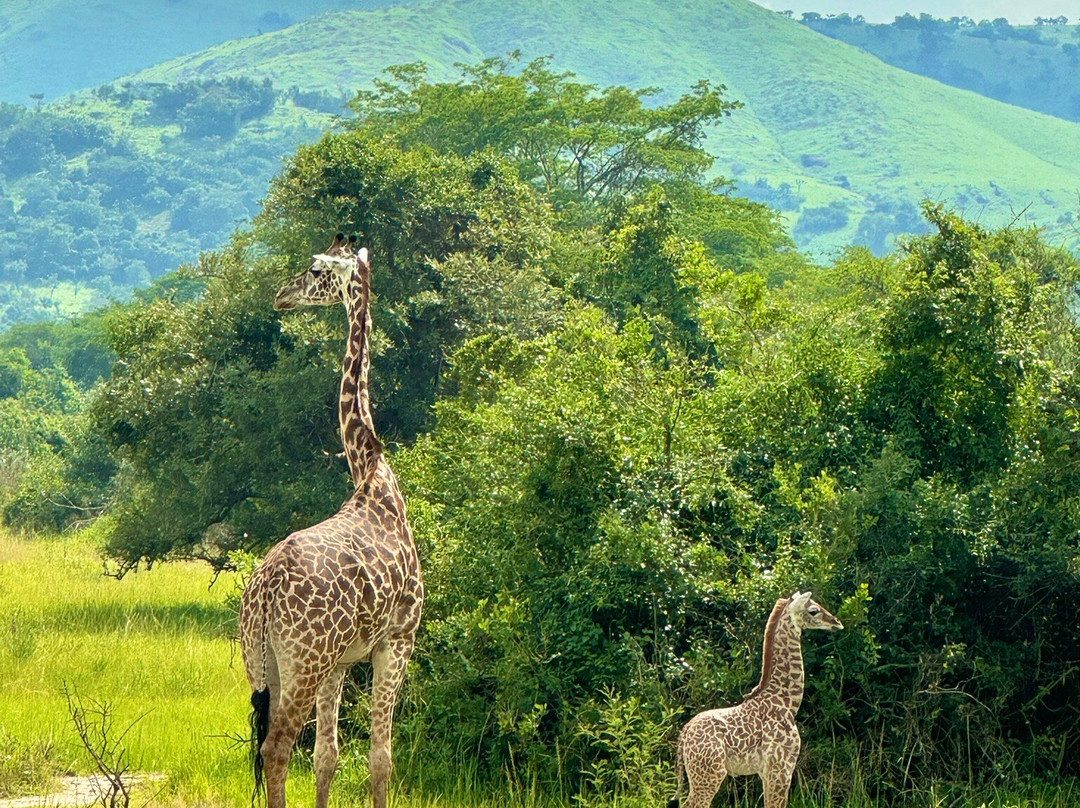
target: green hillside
<point>106,191</point>
<point>53,47</point>
<point>143,173</point>
<point>846,144</point>
<point>1033,66</point>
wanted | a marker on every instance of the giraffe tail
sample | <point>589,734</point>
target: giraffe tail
<point>680,775</point>
<point>258,663</point>
<point>260,727</point>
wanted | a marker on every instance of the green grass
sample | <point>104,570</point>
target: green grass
<point>156,644</point>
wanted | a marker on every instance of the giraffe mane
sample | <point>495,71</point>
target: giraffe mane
<point>768,659</point>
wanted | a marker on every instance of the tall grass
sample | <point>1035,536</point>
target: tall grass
<point>157,644</point>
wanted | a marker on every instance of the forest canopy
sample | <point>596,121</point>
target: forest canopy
<point>627,416</point>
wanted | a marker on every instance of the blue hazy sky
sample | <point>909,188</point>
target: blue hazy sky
<point>1017,11</point>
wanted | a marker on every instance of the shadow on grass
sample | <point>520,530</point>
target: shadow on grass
<point>209,619</point>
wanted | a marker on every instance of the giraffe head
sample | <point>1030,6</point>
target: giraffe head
<point>324,282</point>
<point>807,613</point>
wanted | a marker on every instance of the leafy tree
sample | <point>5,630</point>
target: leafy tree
<point>416,209</point>
<point>824,219</point>
<point>565,136</point>
<point>452,238</point>
<point>963,336</point>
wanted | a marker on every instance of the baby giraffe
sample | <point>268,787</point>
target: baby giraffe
<point>758,736</point>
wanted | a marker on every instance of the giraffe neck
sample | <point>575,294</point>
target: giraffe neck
<point>782,676</point>
<point>362,446</point>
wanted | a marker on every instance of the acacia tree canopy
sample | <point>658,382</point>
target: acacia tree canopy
<point>570,138</point>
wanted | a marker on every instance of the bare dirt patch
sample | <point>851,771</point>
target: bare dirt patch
<point>77,791</point>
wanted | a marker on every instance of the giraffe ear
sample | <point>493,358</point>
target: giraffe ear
<point>362,255</point>
<point>800,598</point>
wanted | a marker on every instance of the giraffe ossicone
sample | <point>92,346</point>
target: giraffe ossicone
<point>346,590</point>
<point>758,736</point>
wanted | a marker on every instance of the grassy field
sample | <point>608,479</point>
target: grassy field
<point>156,644</point>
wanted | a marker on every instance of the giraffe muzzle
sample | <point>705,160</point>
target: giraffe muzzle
<point>284,301</point>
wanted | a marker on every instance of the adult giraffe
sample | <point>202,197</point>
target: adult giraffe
<point>347,590</point>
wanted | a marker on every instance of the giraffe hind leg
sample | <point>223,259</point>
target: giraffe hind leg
<point>680,775</point>
<point>296,699</point>
<point>704,784</point>
<point>327,706</point>
<point>388,668</point>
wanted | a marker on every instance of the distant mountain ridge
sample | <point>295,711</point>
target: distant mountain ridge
<point>1032,66</point>
<point>847,144</point>
<point>55,47</point>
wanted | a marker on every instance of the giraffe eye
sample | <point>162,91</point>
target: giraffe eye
<point>814,610</point>
<point>316,271</point>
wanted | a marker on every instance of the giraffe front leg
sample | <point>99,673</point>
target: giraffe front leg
<point>388,668</point>
<point>327,706</point>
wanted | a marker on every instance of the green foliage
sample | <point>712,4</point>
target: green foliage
<point>95,200</point>
<point>194,384</point>
<point>213,107</point>
<point>966,330</point>
<point>824,219</point>
<point>629,738</point>
<point>53,470</point>
<point>567,137</point>
<point>628,425</point>
<point>454,239</point>
<point>634,502</point>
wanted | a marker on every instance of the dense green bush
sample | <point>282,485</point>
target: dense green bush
<point>626,423</point>
<point>824,219</point>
